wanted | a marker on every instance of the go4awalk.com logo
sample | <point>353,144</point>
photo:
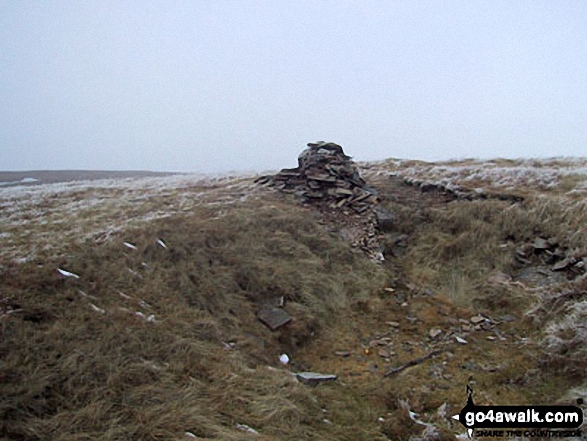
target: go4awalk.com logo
<point>512,421</point>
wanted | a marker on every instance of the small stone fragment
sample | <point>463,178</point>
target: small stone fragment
<point>383,353</point>
<point>273,317</point>
<point>246,428</point>
<point>434,332</point>
<point>314,377</point>
<point>563,264</point>
<point>477,319</point>
<point>379,342</point>
<point>385,219</point>
<point>541,244</point>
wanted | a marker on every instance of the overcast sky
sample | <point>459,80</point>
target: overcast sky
<point>215,85</point>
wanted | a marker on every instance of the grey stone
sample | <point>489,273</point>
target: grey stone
<point>477,319</point>
<point>385,219</point>
<point>563,264</point>
<point>314,377</point>
<point>541,244</point>
<point>434,332</point>
<point>343,354</point>
<point>274,318</point>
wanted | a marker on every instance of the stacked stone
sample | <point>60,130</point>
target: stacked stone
<point>325,173</point>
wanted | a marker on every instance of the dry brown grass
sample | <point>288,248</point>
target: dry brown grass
<point>78,362</point>
<point>70,371</point>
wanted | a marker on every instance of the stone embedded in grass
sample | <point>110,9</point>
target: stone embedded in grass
<point>272,317</point>
<point>385,219</point>
<point>434,332</point>
<point>129,245</point>
<point>246,428</point>
<point>563,264</point>
<point>343,354</point>
<point>541,244</point>
<point>314,377</point>
<point>478,319</point>
<point>383,353</point>
<point>378,342</point>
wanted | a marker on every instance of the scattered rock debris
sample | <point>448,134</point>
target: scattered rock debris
<point>325,173</point>
<point>548,256</point>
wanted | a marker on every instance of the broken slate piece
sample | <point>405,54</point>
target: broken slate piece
<point>274,318</point>
<point>343,354</point>
<point>540,244</point>
<point>563,264</point>
<point>477,319</point>
<point>246,428</point>
<point>385,219</point>
<point>314,378</point>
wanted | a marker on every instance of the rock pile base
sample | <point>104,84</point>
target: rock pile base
<point>329,180</point>
<point>325,174</point>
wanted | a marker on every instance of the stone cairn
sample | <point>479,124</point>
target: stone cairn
<point>325,174</point>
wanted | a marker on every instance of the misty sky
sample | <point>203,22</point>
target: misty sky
<point>218,85</point>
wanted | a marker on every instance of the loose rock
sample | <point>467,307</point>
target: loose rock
<point>314,377</point>
<point>435,332</point>
<point>273,317</point>
<point>477,319</point>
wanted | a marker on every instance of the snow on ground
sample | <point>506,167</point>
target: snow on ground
<point>40,218</point>
<point>43,217</point>
<point>542,174</point>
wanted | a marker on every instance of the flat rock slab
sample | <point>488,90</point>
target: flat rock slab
<point>314,377</point>
<point>273,317</point>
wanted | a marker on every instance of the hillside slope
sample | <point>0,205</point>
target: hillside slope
<point>158,337</point>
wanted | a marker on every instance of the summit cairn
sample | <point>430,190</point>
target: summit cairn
<point>325,174</point>
<point>329,181</point>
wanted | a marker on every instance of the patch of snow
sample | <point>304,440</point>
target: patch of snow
<point>97,309</point>
<point>67,273</point>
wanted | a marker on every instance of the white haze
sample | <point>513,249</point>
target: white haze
<point>218,85</point>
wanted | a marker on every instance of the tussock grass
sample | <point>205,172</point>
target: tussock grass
<point>153,342</point>
<point>71,371</point>
<point>460,244</point>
